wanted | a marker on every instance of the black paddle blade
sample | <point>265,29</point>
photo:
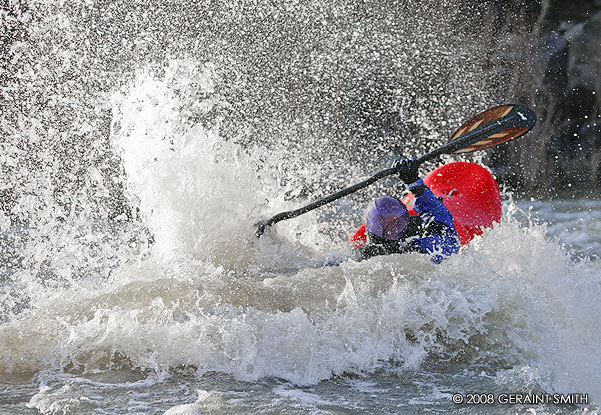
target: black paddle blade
<point>494,126</point>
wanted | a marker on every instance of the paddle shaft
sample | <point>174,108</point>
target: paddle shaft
<point>463,141</point>
<point>351,189</point>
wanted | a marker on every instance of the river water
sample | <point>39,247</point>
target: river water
<point>516,312</point>
<point>142,141</point>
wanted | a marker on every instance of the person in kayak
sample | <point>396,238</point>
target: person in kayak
<point>389,229</point>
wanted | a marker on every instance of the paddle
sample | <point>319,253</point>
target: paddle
<point>488,129</point>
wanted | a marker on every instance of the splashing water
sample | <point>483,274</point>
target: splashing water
<point>193,187</point>
<point>140,153</point>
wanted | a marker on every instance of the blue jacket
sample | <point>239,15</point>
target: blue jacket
<point>436,235</point>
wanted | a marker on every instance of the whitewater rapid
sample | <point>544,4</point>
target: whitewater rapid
<point>208,295</point>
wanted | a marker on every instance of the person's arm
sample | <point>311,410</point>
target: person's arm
<point>439,237</point>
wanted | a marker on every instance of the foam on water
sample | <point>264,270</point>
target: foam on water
<point>211,296</point>
<point>512,297</point>
<point>187,285</point>
<point>206,402</point>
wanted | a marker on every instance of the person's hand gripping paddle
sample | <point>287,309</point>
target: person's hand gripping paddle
<point>488,129</point>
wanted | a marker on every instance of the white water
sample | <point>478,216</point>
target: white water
<point>210,296</point>
<point>185,311</point>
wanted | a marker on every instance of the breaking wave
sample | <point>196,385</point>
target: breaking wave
<point>207,294</point>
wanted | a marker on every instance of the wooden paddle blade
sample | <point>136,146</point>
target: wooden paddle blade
<point>518,120</point>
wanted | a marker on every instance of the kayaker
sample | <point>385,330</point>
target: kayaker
<point>390,229</point>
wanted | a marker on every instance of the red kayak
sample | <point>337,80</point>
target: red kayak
<point>468,190</point>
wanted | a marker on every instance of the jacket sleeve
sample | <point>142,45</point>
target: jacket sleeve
<point>439,237</point>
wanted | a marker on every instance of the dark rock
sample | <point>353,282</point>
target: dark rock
<point>585,55</point>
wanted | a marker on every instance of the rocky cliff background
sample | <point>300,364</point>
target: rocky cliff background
<point>549,57</point>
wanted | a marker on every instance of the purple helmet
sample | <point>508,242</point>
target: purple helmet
<point>386,217</point>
